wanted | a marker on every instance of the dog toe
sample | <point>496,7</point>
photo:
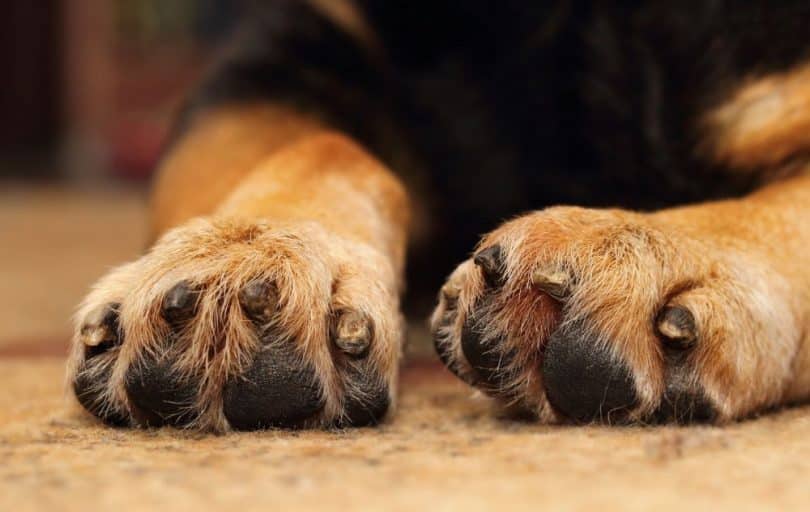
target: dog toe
<point>268,331</point>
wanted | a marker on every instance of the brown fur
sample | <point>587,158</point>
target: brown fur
<point>284,199</point>
<point>739,266</point>
<point>210,160</point>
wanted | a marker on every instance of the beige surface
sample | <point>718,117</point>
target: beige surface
<point>54,242</point>
<point>442,452</point>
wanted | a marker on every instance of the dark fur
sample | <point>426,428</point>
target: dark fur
<point>516,105</point>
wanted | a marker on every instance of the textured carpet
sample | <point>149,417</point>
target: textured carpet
<point>442,451</point>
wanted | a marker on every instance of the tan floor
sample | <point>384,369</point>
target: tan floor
<point>442,451</point>
<point>54,242</point>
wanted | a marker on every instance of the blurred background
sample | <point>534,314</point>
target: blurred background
<point>89,91</point>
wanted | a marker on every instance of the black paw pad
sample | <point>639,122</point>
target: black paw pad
<point>368,399</point>
<point>684,400</point>
<point>450,293</point>
<point>585,382</point>
<point>279,389</point>
<point>491,364</point>
<point>684,406</point>
<point>159,394</point>
<point>443,351</point>
<point>89,387</point>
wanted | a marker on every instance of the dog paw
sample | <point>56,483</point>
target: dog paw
<point>581,315</point>
<point>233,325</point>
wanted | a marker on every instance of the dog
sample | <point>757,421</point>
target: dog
<point>335,139</point>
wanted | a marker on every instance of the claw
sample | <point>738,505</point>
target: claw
<point>677,326</point>
<point>101,327</point>
<point>259,299</point>
<point>353,333</point>
<point>450,292</point>
<point>180,303</point>
<point>554,283</point>
<point>490,260</point>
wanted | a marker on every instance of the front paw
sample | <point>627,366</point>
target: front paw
<point>232,325</point>
<point>605,315</point>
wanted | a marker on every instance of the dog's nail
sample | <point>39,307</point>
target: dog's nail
<point>677,325</point>
<point>490,260</point>
<point>180,303</point>
<point>259,299</point>
<point>100,328</point>
<point>555,283</point>
<point>450,292</point>
<point>353,333</point>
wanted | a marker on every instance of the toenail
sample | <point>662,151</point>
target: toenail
<point>352,333</point>
<point>451,292</point>
<point>490,260</point>
<point>100,330</point>
<point>180,303</point>
<point>279,389</point>
<point>676,325</point>
<point>259,300</point>
<point>555,283</point>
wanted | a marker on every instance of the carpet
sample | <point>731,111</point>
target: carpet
<point>443,450</point>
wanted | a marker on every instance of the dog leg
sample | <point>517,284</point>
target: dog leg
<point>691,314</point>
<point>271,295</point>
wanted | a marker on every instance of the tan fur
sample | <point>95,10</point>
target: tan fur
<point>724,261</point>
<point>286,202</point>
<point>346,15</point>
<point>764,122</point>
<point>284,199</point>
<point>204,167</point>
<point>739,266</point>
